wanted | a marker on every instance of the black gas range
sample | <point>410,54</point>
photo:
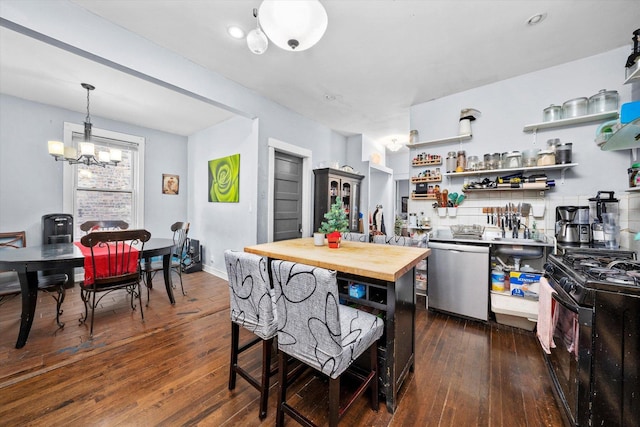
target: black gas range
<point>595,363</point>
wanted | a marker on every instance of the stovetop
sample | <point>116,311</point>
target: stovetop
<point>582,271</point>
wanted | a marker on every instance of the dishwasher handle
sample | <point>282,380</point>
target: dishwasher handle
<point>453,247</point>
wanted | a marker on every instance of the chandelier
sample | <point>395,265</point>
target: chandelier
<point>291,25</point>
<point>87,154</point>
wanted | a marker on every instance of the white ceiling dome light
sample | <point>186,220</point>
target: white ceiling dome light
<point>256,40</point>
<point>293,25</point>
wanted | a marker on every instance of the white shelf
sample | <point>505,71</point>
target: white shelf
<point>458,138</point>
<point>572,121</point>
<point>633,190</point>
<point>507,170</point>
<point>633,73</point>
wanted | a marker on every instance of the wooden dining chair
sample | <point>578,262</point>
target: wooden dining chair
<point>53,284</point>
<point>114,263</point>
<point>104,225</point>
<point>180,234</point>
<point>316,329</point>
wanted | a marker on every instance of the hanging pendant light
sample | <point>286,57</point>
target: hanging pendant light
<point>256,40</point>
<point>293,25</point>
<point>87,150</point>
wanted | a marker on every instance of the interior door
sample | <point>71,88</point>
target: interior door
<point>287,206</point>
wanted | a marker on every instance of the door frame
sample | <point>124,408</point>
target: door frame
<point>284,147</point>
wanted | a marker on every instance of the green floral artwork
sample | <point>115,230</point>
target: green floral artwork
<point>224,179</point>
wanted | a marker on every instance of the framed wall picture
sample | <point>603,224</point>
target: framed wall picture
<point>405,202</point>
<point>170,184</point>
<point>224,179</point>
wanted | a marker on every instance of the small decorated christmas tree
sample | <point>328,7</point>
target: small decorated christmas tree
<point>335,219</point>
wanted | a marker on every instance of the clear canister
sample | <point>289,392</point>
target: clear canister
<point>472,163</point>
<point>514,160</point>
<point>530,157</point>
<point>603,101</point>
<point>451,161</point>
<point>546,158</point>
<point>551,113</point>
<point>461,163</point>
<point>492,160</point>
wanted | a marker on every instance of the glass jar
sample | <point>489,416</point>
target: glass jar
<point>546,158</point>
<point>530,157</point>
<point>451,161</point>
<point>472,163</point>
<point>603,101</point>
<point>461,163</point>
<point>551,113</point>
<point>492,160</point>
<point>514,160</point>
<point>563,153</point>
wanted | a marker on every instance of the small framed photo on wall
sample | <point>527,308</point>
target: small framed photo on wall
<point>170,184</point>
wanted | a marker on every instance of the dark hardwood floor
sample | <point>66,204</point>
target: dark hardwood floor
<point>173,369</point>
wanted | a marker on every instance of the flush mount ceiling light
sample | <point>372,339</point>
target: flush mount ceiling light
<point>256,40</point>
<point>293,25</point>
<point>87,150</point>
<point>536,19</point>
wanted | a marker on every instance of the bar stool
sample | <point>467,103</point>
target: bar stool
<point>252,308</point>
<point>321,333</point>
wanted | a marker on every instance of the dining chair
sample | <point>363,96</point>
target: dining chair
<point>53,284</point>
<point>178,255</point>
<point>355,237</point>
<point>251,306</point>
<point>113,263</point>
<point>316,329</point>
<point>103,225</point>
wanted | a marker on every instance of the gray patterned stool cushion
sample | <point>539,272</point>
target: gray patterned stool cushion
<point>394,240</point>
<point>355,237</point>
<point>312,325</point>
<point>250,294</point>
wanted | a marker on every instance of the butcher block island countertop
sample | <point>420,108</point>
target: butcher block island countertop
<point>383,262</point>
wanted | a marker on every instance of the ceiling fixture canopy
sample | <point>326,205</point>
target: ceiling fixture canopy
<point>87,150</point>
<point>293,25</point>
<point>256,40</point>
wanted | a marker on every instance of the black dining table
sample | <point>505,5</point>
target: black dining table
<point>27,262</point>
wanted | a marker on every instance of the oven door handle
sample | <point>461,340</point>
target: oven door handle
<point>565,303</point>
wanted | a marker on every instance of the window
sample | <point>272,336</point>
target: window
<point>112,192</point>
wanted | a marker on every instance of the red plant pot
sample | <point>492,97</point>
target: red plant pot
<point>334,239</point>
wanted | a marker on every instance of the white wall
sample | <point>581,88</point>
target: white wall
<point>221,226</point>
<point>31,181</point>
<point>508,106</point>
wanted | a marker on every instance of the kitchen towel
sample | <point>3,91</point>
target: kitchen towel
<point>546,316</point>
<point>101,254</point>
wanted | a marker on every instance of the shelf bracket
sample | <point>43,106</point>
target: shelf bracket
<point>562,171</point>
<point>634,154</point>
<point>535,136</point>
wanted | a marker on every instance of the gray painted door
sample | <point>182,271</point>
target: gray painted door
<point>287,210</point>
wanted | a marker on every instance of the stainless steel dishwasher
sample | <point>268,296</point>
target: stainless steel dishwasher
<point>458,279</point>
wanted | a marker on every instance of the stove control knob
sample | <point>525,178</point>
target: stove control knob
<point>548,268</point>
<point>566,284</point>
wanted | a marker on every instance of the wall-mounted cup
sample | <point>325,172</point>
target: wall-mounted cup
<point>452,212</point>
<point>442,212</point>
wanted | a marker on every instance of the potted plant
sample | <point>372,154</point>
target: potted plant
<point>335,222</point>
